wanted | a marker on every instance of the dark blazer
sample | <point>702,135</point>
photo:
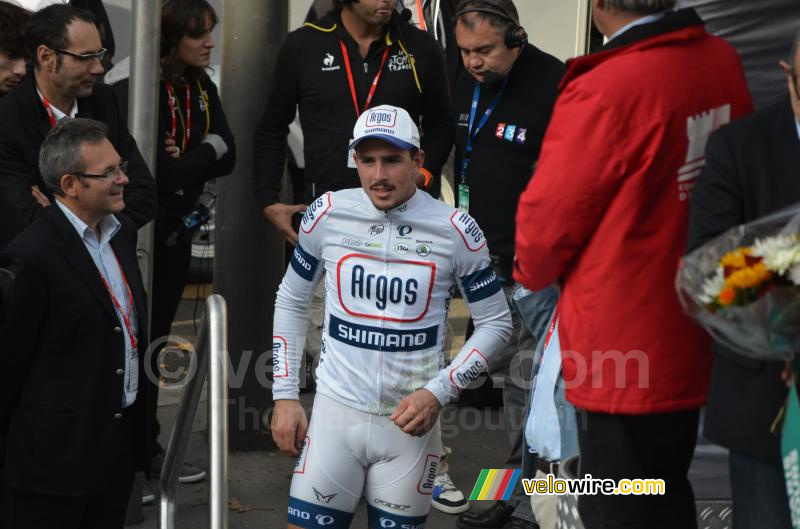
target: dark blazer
<point>61,362</point>
<point>752,169</point>
<point>23,127</point>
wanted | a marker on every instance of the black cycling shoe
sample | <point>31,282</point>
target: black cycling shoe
<point>495,517</point>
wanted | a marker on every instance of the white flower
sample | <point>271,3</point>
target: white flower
<point>779,253</point>
<point>712,286</point>
<point>794,274</point>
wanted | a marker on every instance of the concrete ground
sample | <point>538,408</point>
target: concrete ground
<point>259,481</point>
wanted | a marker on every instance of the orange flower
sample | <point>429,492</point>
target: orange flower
<point>749,277</point>
<point>726,296</point>
<point>735,259</point>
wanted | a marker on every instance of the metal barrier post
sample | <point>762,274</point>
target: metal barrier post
<point>211,357</point>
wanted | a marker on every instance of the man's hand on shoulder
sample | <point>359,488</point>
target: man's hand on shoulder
<point>417,413</point>
<point>281,216</point>
<point>289,426</point>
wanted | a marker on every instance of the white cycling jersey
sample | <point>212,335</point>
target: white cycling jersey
<point>389,278</point>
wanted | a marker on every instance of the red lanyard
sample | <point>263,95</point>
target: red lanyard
<point>352,82</point>
<point>126,316</point>
<point>49,111</point>
<point>187,126</point>
<point>551,329</point>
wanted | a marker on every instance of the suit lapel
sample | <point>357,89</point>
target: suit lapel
<point>39,125</point>
<point>72,248</point>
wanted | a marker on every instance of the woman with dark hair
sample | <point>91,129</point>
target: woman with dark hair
<point>197,146</point>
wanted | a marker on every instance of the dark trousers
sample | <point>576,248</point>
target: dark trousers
<point>170,271</point>
<point>656,446</point>
<point>759,494</point>
<point>104,510</point>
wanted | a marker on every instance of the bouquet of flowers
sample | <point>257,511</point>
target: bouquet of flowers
<point>743,287</point>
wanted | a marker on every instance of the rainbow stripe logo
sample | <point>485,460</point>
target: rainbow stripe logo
<point>495,484</point>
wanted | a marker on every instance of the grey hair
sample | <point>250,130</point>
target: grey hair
<point>642,7</point>
<point>61,150</point>
<point>472,18</point>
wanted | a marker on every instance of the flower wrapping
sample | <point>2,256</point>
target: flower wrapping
<point>743,286</point>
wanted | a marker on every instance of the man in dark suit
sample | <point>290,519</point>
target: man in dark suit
<point>64,45</point>
<point>73,390</point>
<point>752,170</point>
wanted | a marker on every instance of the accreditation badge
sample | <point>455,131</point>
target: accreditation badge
<point>463,198</point>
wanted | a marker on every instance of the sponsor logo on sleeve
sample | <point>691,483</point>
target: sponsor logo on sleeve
<point>428,477</point>
<point>468,371</point>
<point>315,212</point>
<point>280,356</point>
<point>469,230</point>
<point>480,285</point>
<point>698,130</point>
<point>395,290</point>
<point>303,263</point>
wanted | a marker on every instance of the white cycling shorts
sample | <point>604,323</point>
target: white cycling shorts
<point>349,454</point>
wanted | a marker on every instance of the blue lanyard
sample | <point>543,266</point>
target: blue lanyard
<point>473,111</point>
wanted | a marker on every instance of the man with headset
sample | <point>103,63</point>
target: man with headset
<point>502,104</point>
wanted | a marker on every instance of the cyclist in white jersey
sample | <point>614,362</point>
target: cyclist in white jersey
<point>390,256</point>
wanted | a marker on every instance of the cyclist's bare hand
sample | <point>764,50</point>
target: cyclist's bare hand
<point>289,426</point>
<point>281,216</point>
<point>417,413</point>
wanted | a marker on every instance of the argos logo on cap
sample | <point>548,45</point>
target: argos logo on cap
<point>381,118</point>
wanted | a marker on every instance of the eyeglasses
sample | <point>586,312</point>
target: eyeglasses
<point>122,168</point>
<point>84,57</point>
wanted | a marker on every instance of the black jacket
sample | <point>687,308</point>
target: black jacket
<point>752,169</point>
<point>500,168</point>
<point>23,127</point>
<point>310,75</point>
<point>181,181</point>
<point>59,359</point>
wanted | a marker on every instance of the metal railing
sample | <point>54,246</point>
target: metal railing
<point>211,358</point>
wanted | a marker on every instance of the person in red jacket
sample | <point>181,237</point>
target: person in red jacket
<point>606,215</point>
